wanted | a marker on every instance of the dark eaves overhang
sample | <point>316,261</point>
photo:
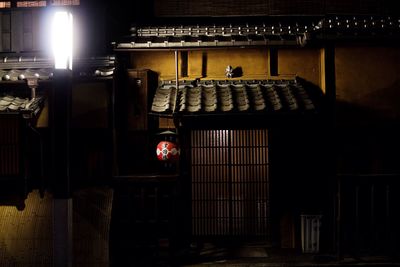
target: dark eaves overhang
<point>283,31</point>
<point>20,68</point>
<point>214,36</point>
<point>237,99</point>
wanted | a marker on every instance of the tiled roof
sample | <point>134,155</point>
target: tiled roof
<point>297,31</point>
<point>224,97</point>
<point>182,36</point>
<point>25,106</point>
<point>22,74</point>
<point>16,68</point>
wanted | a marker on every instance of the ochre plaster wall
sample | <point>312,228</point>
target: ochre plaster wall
<point>369,78</point>
<point>211,64</point>
<point>305,63</point>
<point>367,109</point>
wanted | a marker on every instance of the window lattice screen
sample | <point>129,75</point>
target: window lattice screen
<point>31,3</point>
<point>230,183</point>
<point>65,2</point>
<point>5,4</point>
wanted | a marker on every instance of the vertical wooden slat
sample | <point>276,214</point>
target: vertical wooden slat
<point>197,207</point>
<point>251,180</point>
<point>264,194</point>
<point>222,199</point>
<point>199,183</point>
<point>206,182</point>
<point>253,169</point>
<point>5,32</point>
<point>214,161</point>
<point>194,181</point>
<point>209,185</point>
<point>241,200</point>
<point>202,188</point>
<point>241,187</point>
<point>357,215</point>
<point>373,220</point>
<point>218,198</point>
<point>27,36</point>
<point>245,182</point>
<point>387,219</point>
<point>260,201</point>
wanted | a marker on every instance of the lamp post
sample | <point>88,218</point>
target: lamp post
<point>62,41</point>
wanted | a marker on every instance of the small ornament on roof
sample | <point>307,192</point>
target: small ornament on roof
<point>229,71</point>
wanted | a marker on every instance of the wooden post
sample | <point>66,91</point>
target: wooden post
<point>273,61</point>
<point>60,135</point>
<point>62,232</point>
<point>328,86</point>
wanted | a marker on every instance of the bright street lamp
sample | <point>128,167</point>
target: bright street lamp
<point>62,40</point>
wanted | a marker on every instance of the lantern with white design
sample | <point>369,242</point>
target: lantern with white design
<point>167,149</point>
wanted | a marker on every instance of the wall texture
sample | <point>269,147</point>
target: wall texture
<point>26,237</point>
<point>368,113</point>
<point>211,64</point>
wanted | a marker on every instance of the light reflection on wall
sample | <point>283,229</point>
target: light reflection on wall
<point>26,236</point>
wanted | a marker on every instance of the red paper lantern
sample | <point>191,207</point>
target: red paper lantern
<point>167,151</point>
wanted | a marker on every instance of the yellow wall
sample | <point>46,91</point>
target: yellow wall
<point>369,77</point>
<point>211,64</point>
<point>161,62</point>
<point>26,237</point>
<point>43,120</point>
<point>305,63</point>
<point>254,62</point>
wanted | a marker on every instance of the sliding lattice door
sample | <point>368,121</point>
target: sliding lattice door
<point>230,183</point>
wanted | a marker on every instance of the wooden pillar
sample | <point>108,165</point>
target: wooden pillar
<point>328,74</point>
<point>273,62</point>
<point>62,232</point>
<point>60,135</point>
<point>328,86</point>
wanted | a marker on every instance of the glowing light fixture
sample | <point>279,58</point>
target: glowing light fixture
<point>62,40</point>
